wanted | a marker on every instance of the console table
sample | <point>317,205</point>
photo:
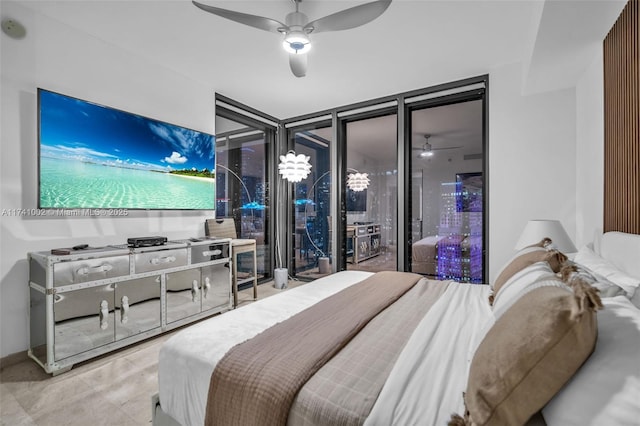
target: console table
<point>365,240</point>
<point>95,300</point>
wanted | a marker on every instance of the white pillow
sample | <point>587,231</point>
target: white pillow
<point>605,389</point>
<point>623,251</point>
<point>586,257</point>
<point>605,287</point>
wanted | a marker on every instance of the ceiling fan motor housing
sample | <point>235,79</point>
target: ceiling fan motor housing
<point>296,39</point>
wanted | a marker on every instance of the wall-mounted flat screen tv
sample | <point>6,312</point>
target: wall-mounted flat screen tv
<point>95,157</point>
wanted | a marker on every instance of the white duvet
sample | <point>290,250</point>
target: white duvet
<point>425,386</point>
<point>187,359</point>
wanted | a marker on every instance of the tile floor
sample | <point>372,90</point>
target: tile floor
<point>114,389</point>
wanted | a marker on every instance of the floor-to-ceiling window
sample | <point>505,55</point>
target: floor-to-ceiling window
<point>242,183</point>
<point>311,254</point>
<point>447,189</point>
<point>390,177</point>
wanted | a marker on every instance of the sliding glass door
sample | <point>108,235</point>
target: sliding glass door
<point>370,203</point>
<point>447,195</point>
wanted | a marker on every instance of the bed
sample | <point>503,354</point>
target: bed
<point>437,340</point>
<point>424,255</point>
<point>448,257</point>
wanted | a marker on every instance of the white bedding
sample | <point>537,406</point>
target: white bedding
<point>457,320</point>
<point>187,359</point>
<point>425,385</point>
<point>606,389</point>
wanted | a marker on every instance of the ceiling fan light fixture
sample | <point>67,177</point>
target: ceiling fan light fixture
<point>426,151</point>
<point>296,42</point>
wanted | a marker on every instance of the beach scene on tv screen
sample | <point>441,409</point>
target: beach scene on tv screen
<point>92,156</point>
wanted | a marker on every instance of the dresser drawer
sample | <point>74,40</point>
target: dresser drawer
<point>207,252</point>
<point>80,271</point>
<point>160,259</point>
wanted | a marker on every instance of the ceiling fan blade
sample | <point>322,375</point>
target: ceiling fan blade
<point>259,22</point>
<point>348,18</point>
<point>447,147</point>
<point>298,64</point>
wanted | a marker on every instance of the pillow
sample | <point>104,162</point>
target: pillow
<point>605,390</point>
<point>531,351</point>
<point>602,266</point>
<point>623,251</point>
<point>511,291</point>
<point>527,256</point>
<point>605,287</point>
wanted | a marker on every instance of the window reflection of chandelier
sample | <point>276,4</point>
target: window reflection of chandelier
<point>358,181</point>
<point>294,168</point>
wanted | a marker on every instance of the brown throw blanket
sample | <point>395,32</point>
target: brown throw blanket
<point>345,389</point>
<point>256,382</point>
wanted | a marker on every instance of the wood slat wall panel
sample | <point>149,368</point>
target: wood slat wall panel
<point>621,49</point>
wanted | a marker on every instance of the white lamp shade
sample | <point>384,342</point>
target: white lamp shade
<point>294,168</point>
<point>536,230</point>
<point>358,181</point>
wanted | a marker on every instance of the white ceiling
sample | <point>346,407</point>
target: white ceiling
<point>414,44</point>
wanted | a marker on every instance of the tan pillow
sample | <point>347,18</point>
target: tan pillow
<point>517,286</point>
<point>531,351</point>
<point>528,256</point>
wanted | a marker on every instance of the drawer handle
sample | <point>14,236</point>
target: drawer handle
<point>159,260</point>
<point>206,287</point>
<point>124,316</point>
<point>86,270</point>
<point>104,314</point>
<point>194,291</point>
<point>209,253</point>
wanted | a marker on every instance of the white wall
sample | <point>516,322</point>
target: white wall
<point>532,166</point>
<point>59,58</point>
<point>590,151</point>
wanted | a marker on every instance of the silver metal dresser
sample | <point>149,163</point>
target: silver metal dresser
<point>92,301</point>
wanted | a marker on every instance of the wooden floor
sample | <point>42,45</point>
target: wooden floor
<point>114,389</point>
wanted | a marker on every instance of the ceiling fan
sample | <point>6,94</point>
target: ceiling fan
<point>427,150</point>
<point>297,27</point>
